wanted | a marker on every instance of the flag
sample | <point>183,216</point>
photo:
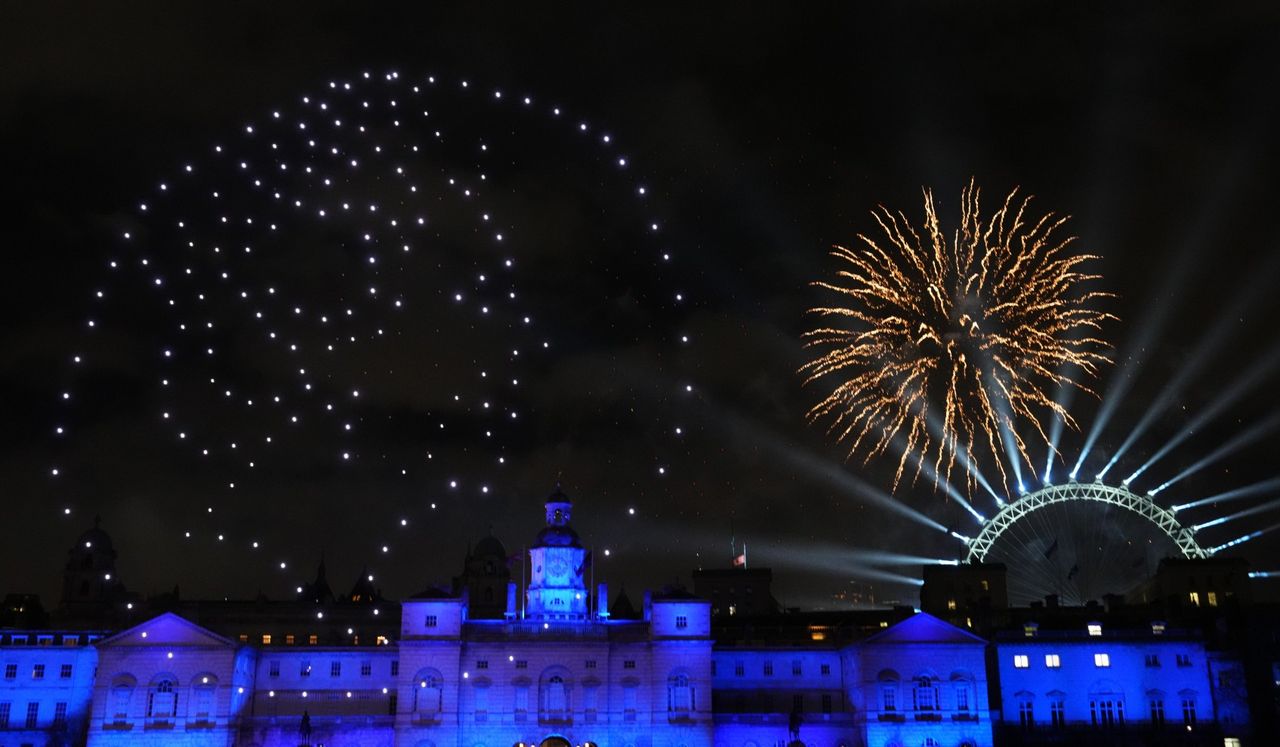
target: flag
<point>740,561</point>
<point>1052,549</point>
<point>586,563</point>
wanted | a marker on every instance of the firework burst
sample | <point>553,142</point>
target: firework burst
<point>952,344</point>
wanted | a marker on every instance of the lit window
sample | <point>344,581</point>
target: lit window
<point>288,639</point>
<point>1194,598</point>
<point>1212,598</point>
<point>266,639</point>
<point>1052,661</point>
<point>1231,742</point>
<point>986,585</point>
<point>1030,629</point>
<point>313,639</point>
<point>951,604</point>
<point>1157,628</point>
<point>1021,661</point>
<point>1102,660</point>
<point>1095,629</point>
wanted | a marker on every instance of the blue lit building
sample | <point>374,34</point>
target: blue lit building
<point>542,660</point>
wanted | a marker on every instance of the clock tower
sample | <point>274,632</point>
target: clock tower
<point>558,565</point>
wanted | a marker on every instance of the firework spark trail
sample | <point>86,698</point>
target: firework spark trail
<point>978,326</point>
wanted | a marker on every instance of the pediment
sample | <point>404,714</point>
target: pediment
<point>924,628</point>
<point>167,630</point>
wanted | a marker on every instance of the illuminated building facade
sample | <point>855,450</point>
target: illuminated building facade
<point>551,662</point>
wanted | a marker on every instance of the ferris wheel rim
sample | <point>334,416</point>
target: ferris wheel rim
<point>1143,505</point>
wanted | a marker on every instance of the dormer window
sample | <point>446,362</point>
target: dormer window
<point>1157,628</point>
<point>1030,630</point>
<point>1095,629</point>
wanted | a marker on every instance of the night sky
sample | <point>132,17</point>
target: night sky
<point>760,136</point>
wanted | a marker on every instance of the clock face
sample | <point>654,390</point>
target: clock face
<point>557,567</point>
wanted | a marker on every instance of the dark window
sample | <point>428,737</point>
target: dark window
<point>275,669</point>
<point>65,672</point>
<point>395,668</point>
<point>826,702</point>
<point>335,669</point>
<point>37,672</point>
<point>1157,712</point>
<point>629,664</point>
<point>682,622</point>
<point>1189,712</point>
<point>33,714</point>
<point>5,708</point>
<point>826,669</point>
<point>366,669</point>
<point>768,669</point>
<point>10,671</point>
<point>590,664</point>
<point>1026,714</point>
<point>482,664</point>
<point>796,668</point>
<point>522,664</point>
<point>1057,714</point>
<point>739,669</point>
<point>60,714</point>
<point>431,621</point>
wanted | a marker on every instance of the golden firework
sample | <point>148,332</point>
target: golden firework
<point>953,344</point>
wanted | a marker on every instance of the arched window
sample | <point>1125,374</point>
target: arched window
<point>162,699</point>
<point>679,693</point>
<point>121,696</point>
<point>962,688</point>
<point>427,693</point>
<point>888,680</point>
<point>924,695</point>
<point>555,698</point>
<point>203,690</point>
